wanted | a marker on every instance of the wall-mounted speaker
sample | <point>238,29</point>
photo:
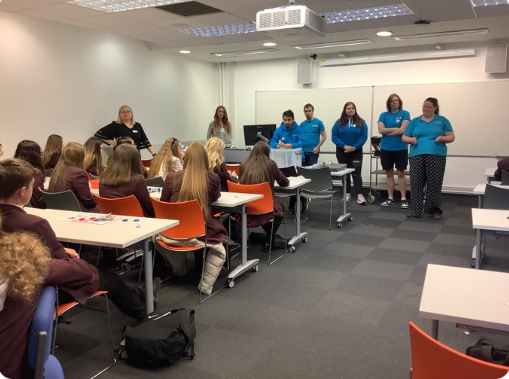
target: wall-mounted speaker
<point>305,72</point>
<point>496,59</point>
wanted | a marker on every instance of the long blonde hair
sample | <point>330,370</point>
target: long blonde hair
<point>215,149</point>
<point>53,145</point>
<point>195,180</point>
<point>93,151</point>
<point>124,163</point>
<point>164,156</point>
<point>119,119</point>
<point>73,155</point>
<point>25,261</point>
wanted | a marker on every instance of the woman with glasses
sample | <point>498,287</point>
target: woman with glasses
<point>125,126</point>
<point>428,135</point>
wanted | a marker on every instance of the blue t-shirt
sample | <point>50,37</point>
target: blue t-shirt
<point>426,133</point>
<point>349,135</point>
<point>393,120</point>
<point>312,130</point>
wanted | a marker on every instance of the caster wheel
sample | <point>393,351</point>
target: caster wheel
<point>377,194</point>
<point>472,264</point>
<point>230,284</point>
<point>305,240</point>
<point>291,249</point>
<point>350,218</point>
<point>340,226</point>
<point>254,268</point>
<point>371,198</point>
<point>128,267</point>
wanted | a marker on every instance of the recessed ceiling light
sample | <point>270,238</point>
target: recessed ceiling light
<point>384,33</point>
<point>366,13</point>
<point>184,52</point>
<point>113,6</point>
<point>488,3</point>
<point>269,44</point>
<point>450,33</point>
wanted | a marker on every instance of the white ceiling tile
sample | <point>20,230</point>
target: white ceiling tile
<point>440,10</point>
<point>68,11</point>
<point>497,10</point>
<point>43,16</point>
<point>81,24</point>
<point>108,20</point>
<point>150,15</point>
<point>30,4</point>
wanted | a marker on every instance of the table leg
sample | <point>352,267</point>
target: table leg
<point>478,248</point>
<point>245,265</point>
<point>345,215</point>
<point>298,236</point>
<point>149,284</point>
<point>434,329</point>
<point>479,201</point>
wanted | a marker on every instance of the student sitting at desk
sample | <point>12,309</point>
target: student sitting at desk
<point>52,151</point>
<point>196,181</point>
<point>165,162</point>
<point>502,164</point>
<point>215,152</point>
<point>124,177</point>
<point>30,151</point>
<point>259,168</point>
<point>69,174</point>
<point>93,156</point>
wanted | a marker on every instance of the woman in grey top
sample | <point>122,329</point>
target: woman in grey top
<point>220,127</point>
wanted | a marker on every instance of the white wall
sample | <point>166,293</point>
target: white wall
<point>462,173</point>
<point>70,81</point>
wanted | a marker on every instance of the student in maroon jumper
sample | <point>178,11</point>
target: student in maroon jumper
<point>31,152</point>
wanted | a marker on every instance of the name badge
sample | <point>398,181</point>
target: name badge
<point>135,131</point>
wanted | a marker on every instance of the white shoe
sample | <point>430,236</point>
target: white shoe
<point>361,200</point>
<point>348,197</point>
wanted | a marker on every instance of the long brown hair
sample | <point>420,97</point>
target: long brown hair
<point>215,148</point>
<point>195,180</point>
<point>93,151</point>
<point>25,261</point>
<point>124,163</point>
<point>30,151</point>
<point>164,156</point>
<point>53,145</point>
<point>257,166</point>
<point>73,155</point>
<point>356,119</point>
<point>226,124</point>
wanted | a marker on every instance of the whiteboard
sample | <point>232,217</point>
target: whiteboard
<point>478,111</point>
<point>328,103</point>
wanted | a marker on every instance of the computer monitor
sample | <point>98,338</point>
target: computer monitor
<point>252,133</point>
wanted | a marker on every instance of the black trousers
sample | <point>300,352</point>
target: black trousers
<point>352,160</point>
<point>128,301</point>
<point>426,172</point>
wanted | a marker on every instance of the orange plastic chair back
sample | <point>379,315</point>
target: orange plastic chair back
<point>190,216</point>
<point>432,359</point>
<point>257,207</point>
<point>146,162</point>
<point>124,206</point>
<point>233,168</point>
<point>94,183</point>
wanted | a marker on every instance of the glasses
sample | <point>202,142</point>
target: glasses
<point>427,107</point>
<point>126,112</point>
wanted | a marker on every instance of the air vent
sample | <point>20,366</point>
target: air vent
<point>190,8</point>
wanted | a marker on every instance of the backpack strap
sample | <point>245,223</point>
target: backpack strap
<point>185,325</point>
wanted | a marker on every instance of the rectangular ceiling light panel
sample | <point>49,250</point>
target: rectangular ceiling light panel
<point>113,6</point>
<point>488,3</point>
<point>451,33</point>
<point>366,13</point>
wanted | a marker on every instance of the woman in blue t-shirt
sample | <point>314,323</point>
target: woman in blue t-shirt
<point>427,136</point>
<point>349,134</point>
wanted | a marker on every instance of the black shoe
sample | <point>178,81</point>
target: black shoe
<point>157,287</point>
<point>437,216</point>
<point>291,210</point>
<point>223,273</point>
<point>266,247</point>
<point>279,242</point>
<point>304,207</point>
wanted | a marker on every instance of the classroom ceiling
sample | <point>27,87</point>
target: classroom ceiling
<point>161,29</point>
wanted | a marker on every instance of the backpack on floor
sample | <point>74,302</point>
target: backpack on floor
<point>162,339</point>
<point>485,351</point>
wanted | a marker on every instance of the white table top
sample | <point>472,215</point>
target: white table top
<point>490,172</point>
<point>116,234</point>
<point>234,199</point>
<point>295,182</point>
<point>490,219</point>
<point>342,172</point>
<point>466,296</point>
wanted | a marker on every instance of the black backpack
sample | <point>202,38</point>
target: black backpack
<point>162,339</point>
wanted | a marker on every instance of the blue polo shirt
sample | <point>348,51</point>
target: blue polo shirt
<point>426,133</point>
<point>393,120</point>
<point>311,130</point>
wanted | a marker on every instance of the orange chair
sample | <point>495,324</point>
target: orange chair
<point>191,225</point>
<point>432,359</point>
<point>259,207</point>
<point>233,168</point>
<point>124,206</point>
<point>62,308</point>
<point>94,183</point>
<point>146,162</point>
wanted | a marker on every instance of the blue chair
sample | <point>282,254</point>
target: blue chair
<point>39,341</point>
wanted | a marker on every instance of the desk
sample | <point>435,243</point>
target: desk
<point>295,183</point>
<point>116,234</point>
<point>459,295</point>
<point>342,174</point>
<point>487,219</point>
<point>232,200</point>
<point>490,174</point>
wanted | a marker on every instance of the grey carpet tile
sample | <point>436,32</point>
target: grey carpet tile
<point>448,249</point>
<point>455,239</point>
<point>376,350</point>
<point>455,221</point>
<point>393,214</point>
<point>446,260</point>
<point>347,250</point>
<point>384,270</point>
<point>415,225</point>
<point>371,230</point>
<point>360,370</point>
<point>323,235</point>
<point>331,262</point>
<point>417,275</point>
<point>413,235</point>
<point>394,256</point>
<point>410,294</point>
<point>464,231</point>
<point>370,287</point>
<point>381,222</point>
<point>351,309</point>
<point>404,244</point>
<point>364,240</point>
<point>397,317</point>
<point>498,242</point>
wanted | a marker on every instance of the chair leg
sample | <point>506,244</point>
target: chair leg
<point>270,244</point>
<point>330,211</point>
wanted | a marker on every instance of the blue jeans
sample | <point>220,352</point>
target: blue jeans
<point>310,159</point>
